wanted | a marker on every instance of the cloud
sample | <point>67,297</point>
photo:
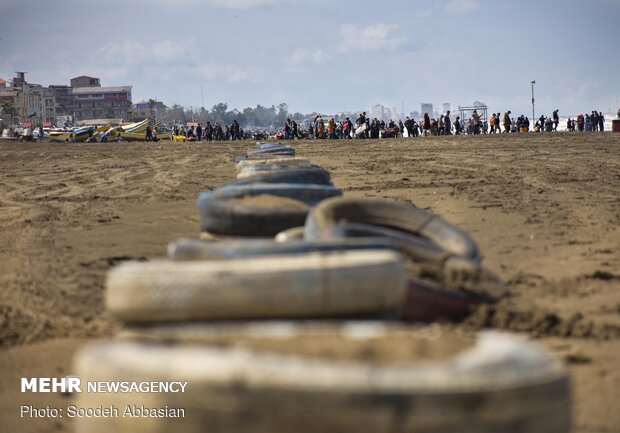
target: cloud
<point>169,60</point>
<point>243,4</point>
<point>462,6</point>
<point>216,72</point>
<point>167,4</point>
<point>370,38</point>
<point>423,14</point>
<point>133,52</point>
<point>303,56</point>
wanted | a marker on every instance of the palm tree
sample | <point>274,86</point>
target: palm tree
<point>153,118</point>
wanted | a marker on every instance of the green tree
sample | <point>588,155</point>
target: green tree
<point>8,108</point>
<point>218,112</point>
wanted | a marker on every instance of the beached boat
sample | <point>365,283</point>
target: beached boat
<point>80,134</point>
<point>141,136</point>
<point>137,127</point>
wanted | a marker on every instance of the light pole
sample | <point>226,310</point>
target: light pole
<point>533,114</point>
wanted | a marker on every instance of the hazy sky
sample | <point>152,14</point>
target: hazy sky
<point>325,55</point>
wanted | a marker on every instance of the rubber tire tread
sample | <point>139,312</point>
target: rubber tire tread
<point>309,175</point>
<point>196,249</point>
<point>392,215</point>
<point>501,386</point>
<point>349,283</point>
<point>222,217</point>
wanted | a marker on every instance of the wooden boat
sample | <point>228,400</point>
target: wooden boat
<point>135,127</point>
<point>77,135</point>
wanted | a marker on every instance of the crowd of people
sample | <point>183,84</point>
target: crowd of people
<point>589,123</point>
<point>210,132</point>
<point>365,127</point>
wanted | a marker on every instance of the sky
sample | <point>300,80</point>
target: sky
<point>325,55</point>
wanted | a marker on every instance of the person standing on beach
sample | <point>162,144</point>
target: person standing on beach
<point>409,126</point>
<point>447,124</point>
<point>199,132</point>
<point>601,122</point>
<point>556,120</point>
<point>507,122</point>
<point>347,128</point>
<point>427,125</point>
<point>294,129</point>
<point>475,117</point>
<point>209,131</point>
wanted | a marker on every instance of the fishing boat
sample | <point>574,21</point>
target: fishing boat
<point>135,127</point>
<point>77,135</point>
<point>158,134</point>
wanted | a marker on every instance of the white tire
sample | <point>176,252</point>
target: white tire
<point>502,385</point>
<point>295,160</point>
<point>308,285</point>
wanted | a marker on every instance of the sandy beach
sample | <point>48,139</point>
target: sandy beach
<point>544,208</point>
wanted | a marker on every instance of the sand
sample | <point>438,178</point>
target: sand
<point>545,210</point>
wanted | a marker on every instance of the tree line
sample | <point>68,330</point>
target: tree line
<point>259,116</point>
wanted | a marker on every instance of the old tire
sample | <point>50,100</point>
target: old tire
<point>393,215</point>
<point>309,175</point>
<point>416,247</point>
<point>306,285</point>
<point>274,151</point>
<point>223,215</point>
<point>502,385</point>
<point>288,235</point>
<point>307,193</point>
<point>244,164</point>
<point>196,249</point>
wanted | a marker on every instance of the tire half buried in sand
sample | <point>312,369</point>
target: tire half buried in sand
<point>350,283</point>
<point>260,215</point>
<point>259,209</point>
<point>296,161</point>
<point>266,378</point>
<point>405,218</point>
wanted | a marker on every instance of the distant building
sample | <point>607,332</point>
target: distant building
<point>102,102</point>
<point>377,111</point>
<point>446,107</point>
<point>91,101</point>
<point>65,104</point>
<point>84,81</point>
<point>387,114</point>
<point>30,103</point>
<point>415,115</point>
<point>154,110</point>
<point>426,107</point>
<point>84,99</point>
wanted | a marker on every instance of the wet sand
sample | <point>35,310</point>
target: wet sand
<point>544,208</point>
